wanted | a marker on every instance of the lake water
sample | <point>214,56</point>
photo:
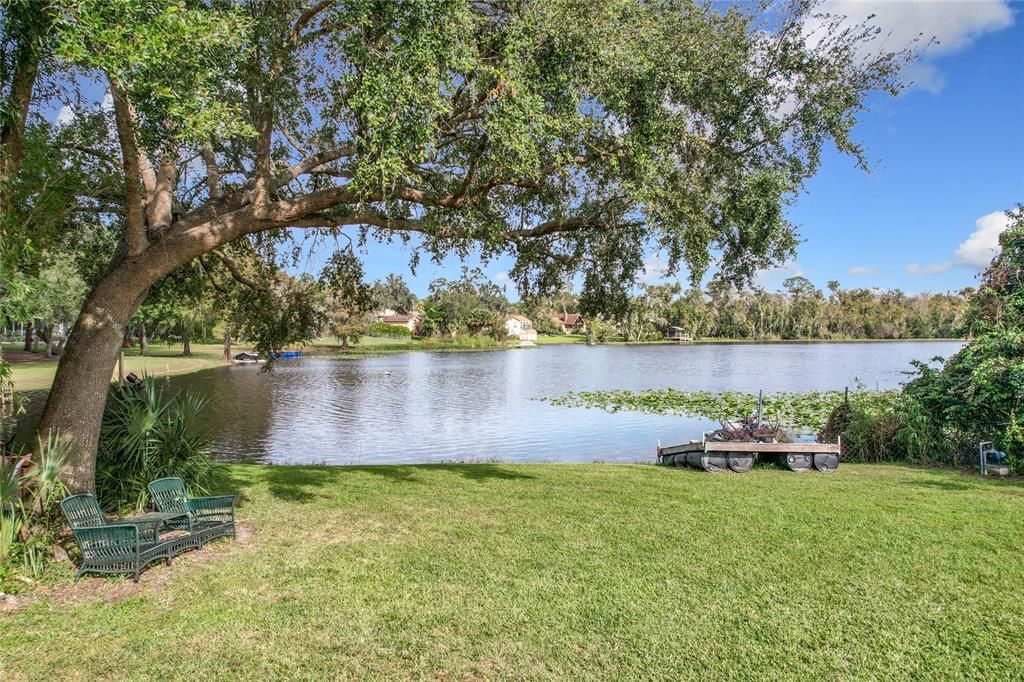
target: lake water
<point>435,407</point>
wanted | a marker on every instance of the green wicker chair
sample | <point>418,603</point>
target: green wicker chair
<point>207,517</point>
<point>111,547</point>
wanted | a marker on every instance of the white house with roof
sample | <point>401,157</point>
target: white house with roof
<point>519,327</point>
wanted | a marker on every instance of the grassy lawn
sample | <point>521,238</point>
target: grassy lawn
<point>557,339</point>
<point>565,571</point>
<point>374,345</point>
<point>162,360</point>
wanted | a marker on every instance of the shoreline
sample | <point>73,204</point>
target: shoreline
<point>37,373</point>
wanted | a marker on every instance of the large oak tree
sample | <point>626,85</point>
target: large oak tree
<point>571,136</point>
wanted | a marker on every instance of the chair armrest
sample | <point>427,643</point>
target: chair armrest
<point>219,507</point>
<point>107,543</point>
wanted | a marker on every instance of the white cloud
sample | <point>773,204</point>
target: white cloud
<point>65,115</point>
<point>862,270</point>
<point>108,102</point>
<point>933,269</point>
<point>982,246</point>
<point>501,277</point>
<point>975,252</point>
<point>953,25</point>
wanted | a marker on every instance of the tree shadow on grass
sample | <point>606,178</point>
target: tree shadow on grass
<point>939,485</point>
<point>483,472</point>
<point>409,473</point>
<point>299,484</point>
<point>289,483</point>
<point>956,480</point>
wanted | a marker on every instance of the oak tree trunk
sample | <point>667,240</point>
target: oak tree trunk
<point>49,339</point>
<point>143,342</point>
<point>227,345</point>
<point>187,349</point>
<point>30,330</point>
<point>74,406</point>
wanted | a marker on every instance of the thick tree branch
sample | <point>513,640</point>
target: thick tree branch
<point>212,173</point>
<point>264,130</point>
<point>161,200</point>
<point>308,164</point>
<point>366,217</point>
<point>135,215</point>
<point>21,69</point>
<point>293,142</point>
<point>551,227</point>
<point>307,16</point>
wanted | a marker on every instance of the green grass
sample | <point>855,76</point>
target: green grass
<point>495,571</point>
<point>162,360</point>
<point>372,345</point>
<point>558,339</point>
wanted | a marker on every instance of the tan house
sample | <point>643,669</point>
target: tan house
<point>519,327</point>
<point>410,322</point>
<point>571,323</point>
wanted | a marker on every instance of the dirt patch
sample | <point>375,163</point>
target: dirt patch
<point>153,580</point>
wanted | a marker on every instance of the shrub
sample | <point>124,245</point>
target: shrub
<point>30,523</point>
<point>544,323</point>
<point>891,426</point>
<point>388,330</point>
<point>147,435</point>
<point>600,331</point>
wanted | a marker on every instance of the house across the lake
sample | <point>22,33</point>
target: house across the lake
<point>409,321</point>
<point>571,323</point>
<point>519,327</point>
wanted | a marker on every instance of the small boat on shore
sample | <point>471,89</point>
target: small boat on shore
<point>246,358</point>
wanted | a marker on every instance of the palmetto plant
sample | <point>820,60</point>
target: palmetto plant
<point>10,512</point>
<point>46,488</point>
<point>148,435</point>
<point>28,502</point>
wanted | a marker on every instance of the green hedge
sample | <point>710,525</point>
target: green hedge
<point>388,330</point>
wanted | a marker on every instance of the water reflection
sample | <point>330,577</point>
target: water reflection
<point>430,407</point>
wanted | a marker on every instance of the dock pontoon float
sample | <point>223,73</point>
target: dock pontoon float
<point>739,456</point>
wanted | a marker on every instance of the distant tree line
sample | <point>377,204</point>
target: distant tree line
<point>800,311</point>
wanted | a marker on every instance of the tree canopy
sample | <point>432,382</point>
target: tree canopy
<point>392,293</point>
<point>569,137</point>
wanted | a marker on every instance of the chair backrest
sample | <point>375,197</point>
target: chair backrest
<point>82,511</point>
<point>169,495</point>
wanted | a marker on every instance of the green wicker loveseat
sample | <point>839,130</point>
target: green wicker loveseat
<point>115,547</point>
<point>205,518</point>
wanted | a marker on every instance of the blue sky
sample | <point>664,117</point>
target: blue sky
<point>944,155</point>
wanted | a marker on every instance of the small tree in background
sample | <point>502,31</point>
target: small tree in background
<point>392,293</point>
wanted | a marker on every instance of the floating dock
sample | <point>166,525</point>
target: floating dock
<point>740,456</point>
